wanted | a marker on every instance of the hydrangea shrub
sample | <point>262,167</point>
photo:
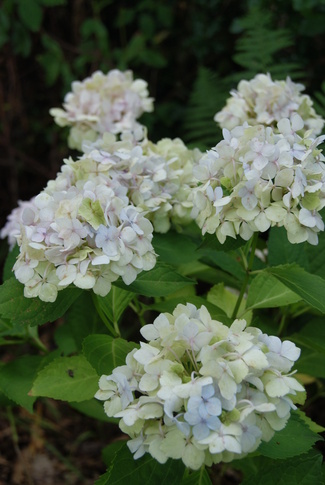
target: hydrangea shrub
<point>222,251</point>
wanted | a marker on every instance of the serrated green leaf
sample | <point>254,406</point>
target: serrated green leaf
<point>16,378</point>
<point>8,329</point>
<point>68,379</point>
<point>225,261</point>
<point>145,471</point>
<point>296,438</point>
<point>114,304</point>
<point>64,340</point>
<point>281,251</point>
<point>174,248</point>
<point>208,274</point>
<point>266,291</point>
<point>311,288</point>
<point>92,408</point>
<point>83,319</point>
<point>110,451</point>
<point>105,352</point>
<point>200,477</point>
<point>15,307</point>
<point>5,401</point>
<point>316,428</point>
<point>310,363</point>
<point>316,256</point>
<point>160,281</point>
<point>305,469</point>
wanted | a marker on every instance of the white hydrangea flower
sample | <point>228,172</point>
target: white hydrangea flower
<point>209,393</point>
<point>264,101</point>
<point>256,178</point>
<point>102,103</point>
<point>83,232</point>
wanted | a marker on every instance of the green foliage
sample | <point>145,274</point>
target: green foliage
<point>295,439</point>
<point>305,469</point>
<point>174,248</point>
<point>16,379</point>
<point>320,100</point>
<point>144,471</point>
<point>311,288</point>
<point>70,379</point>
<point>92,408</point>
<point>266,291</point>
<point>280,251</point>
<point>200,477</point>
<point>9,262</point>
<point>159,281</point>
<point>208,95</point>
<point>17,308</point>
<point>81,320</point>
<point>105,353</point>
<point>112,306</point>
<point>258,48</point>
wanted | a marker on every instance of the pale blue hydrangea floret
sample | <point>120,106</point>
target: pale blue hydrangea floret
<point>200,391</point>
<point>203,411</point>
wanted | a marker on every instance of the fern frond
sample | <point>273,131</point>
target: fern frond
<point>208,96</point>
<point>319,101</point>
<point>260,49</point>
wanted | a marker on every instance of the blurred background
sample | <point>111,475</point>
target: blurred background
<point>190,52</point>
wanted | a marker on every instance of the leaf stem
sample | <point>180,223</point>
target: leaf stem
<point>139,310</point>
<point>248,266</point>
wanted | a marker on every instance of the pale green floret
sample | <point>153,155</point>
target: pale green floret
<point>210,393</point>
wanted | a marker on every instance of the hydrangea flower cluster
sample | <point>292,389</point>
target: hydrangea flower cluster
<point>81,231</point>
<point>102,103</point>
<point>201,391</point>
<point>11,229</point>
<point>264,101</point>
<point>256,178</point>
<point>158,178</point>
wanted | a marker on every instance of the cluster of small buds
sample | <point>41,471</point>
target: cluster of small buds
<point>83,232</point>
<point>158,178</point>
<point>201,391</point>
<point>264,101</point>
<point>102,103</point>
<point>256,178</point>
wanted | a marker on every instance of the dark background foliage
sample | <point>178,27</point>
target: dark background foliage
<point>190,52</point>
